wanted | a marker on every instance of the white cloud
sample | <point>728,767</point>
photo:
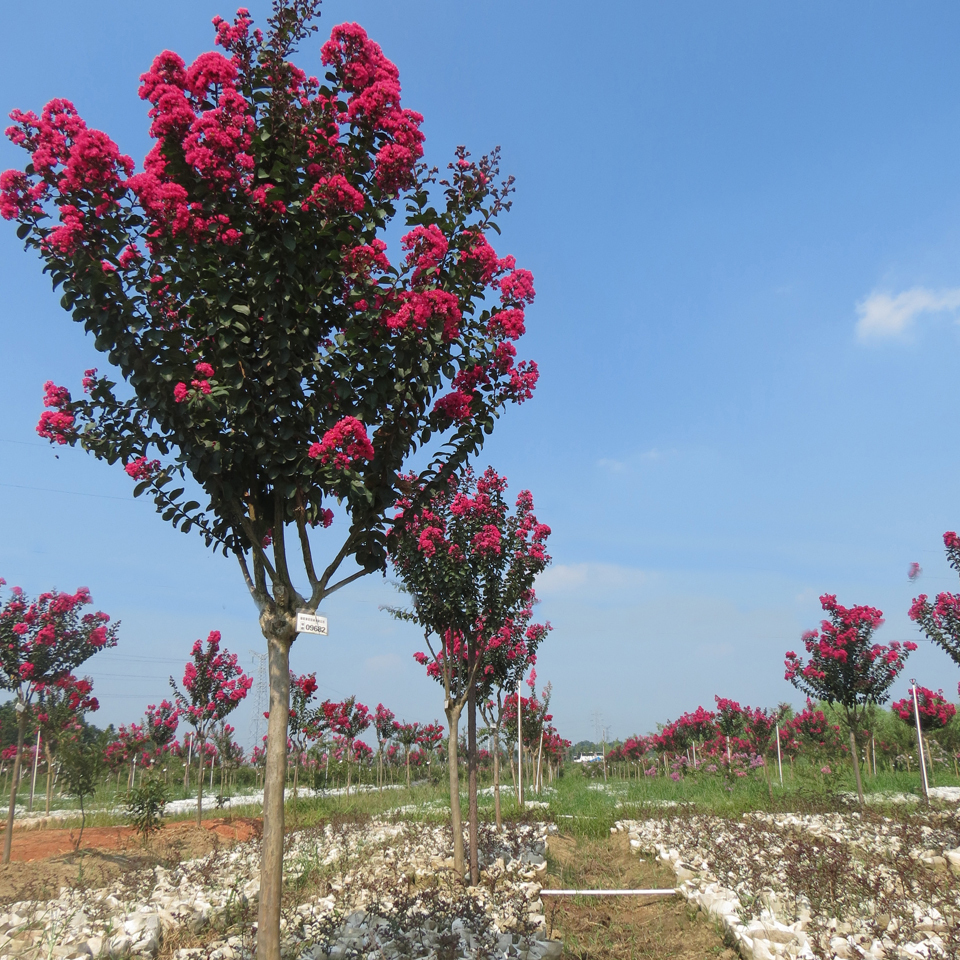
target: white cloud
<point>383,663</point>
<point>595,581</point>
<point>881,315</point>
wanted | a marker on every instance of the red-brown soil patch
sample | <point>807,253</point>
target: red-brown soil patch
<point>43,860</point>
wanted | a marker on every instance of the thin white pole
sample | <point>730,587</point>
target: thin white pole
<point>607,893</point>
<point>779,759</point>
<point>923,765</point>
<point>520,741</point>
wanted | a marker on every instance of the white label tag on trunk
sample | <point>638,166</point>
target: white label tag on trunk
<point>311,623</point>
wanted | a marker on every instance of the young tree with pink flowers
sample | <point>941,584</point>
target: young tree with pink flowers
<point>60,710</point>
<point>302,722</point>
<point>346,719</point>
<point>408,736</point>
<point>468,565</point>
<point>275,358</point>
<point>213,686</point>
<point>383,721</point>
<point>42,642</point>
<point>847,668</point>
<point>940,620</point>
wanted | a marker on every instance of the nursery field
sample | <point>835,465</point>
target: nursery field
<point>801,871</point>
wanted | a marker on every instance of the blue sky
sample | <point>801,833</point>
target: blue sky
<point>744,225</point>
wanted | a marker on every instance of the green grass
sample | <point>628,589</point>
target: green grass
<point>579,801</point>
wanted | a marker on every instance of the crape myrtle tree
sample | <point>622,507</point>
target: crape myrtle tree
<point>940,620</point>
<point>302,719</point>
<point>383,722</point>
<point>213,686</point>
<point>408,736</point>
<point>730,720</point>
<point>272,355</point>
<point>503,670</point>
<point>60,713</point>
<point>42,642</point>
<point>845,667</point>
<point>935,711</point>
<point>346,719</point>
<point>932,708</point>
<point>468,566</point>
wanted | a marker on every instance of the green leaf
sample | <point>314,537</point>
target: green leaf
<point>241,308</point>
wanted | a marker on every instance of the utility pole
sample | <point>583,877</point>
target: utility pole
<point>261,698</point>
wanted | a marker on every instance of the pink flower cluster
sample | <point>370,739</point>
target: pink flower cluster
<point>69,158</point>
<point>200,386</point>
<point>57,425</point>
<point>373,83</point>
<point>935,711</point>
<point>142,468</point>
<point>344,445</point>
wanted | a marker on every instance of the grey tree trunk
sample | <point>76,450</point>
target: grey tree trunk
<point>472,806</point>
<point>274,778</point>
<point>21,733</point>
<point>49,757</point>
<point>854,757</point>
<point>456,820</point>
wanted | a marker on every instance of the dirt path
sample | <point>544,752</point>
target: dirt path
<point>621,928</point>
<point>44,860</point>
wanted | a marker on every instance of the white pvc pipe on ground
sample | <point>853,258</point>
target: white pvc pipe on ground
<point>606,893</point>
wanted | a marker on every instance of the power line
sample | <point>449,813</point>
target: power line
<point>70,493</point>
<point>25,443</point>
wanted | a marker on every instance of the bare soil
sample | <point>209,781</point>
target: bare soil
<point>44,860</point>
<point>622,928</point>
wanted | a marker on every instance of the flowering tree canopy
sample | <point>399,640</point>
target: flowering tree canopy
<point>940,620</point>
<point>44,641</point>
<point>274,356</point>
<point>845,665</point>
<point>41,643</point>
<point>935,711</point>
<point>240,287</point>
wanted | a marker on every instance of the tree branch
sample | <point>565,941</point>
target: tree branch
<point>345,581</point>
<point>280,550</point>
<point>257,546</point>
<point>300,515</point>
<point>258,597</point>
<point>320,589</point>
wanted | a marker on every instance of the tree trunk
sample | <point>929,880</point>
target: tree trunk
<point>855,757</point>
<point>15,779</point>
<point>406,754</point>
<point>271,856</point>
<point>49,756</point>
<point>83,823</point>
<point>456,821</point>
<point>496,775</point>
<point>472,806</point>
